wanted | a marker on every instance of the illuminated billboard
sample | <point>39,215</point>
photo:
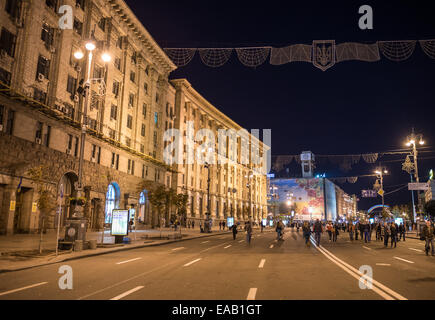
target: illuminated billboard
<point>119,222</point>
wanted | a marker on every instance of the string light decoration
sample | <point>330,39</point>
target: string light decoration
<point>428,47</point>
<point>215,57</point>
<point>293,53</point>
<point>397,50</point>
<point>253,57</point>
<point>181,56</point>
<point>357,51</point>
<point>322,54</point>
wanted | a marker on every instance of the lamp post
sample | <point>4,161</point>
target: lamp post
<point>380,174</point>
<point>412,141</point>
<point>207,166</point>
<point>84,91</point>
<point>249,185</point>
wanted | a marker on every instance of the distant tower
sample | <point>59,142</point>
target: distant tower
<point>307,160</point>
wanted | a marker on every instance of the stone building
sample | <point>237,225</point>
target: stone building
<point>40,111</point>
<point>236,188</point>
<point>131,104</point>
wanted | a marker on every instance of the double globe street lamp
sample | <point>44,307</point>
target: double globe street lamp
<point>83,89</point>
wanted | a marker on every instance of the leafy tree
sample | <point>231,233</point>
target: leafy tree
<point>46,200</point>
<point>181,201</point>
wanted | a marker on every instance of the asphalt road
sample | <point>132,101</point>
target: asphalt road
<point>219,268</point>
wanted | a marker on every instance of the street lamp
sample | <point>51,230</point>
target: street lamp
<point>249,185</point>
<point>411,141</point>
<point>380,174</point>
<point>84,90</point>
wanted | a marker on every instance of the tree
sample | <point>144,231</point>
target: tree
<point>429,208</point>
<point>158,197</point>
<point>181,201</point>
<point>46,200</point>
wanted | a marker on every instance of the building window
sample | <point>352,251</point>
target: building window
<point>38,134</point>
<point>115,88</point>
<point>10,122</point>
<point>112,202</point>
<point>156,118</point>
<point>129,121</point>
<point>143,175</point>
<point>132,76</point>
<point>131,166</point>
<point>142,131</point>
<point>47,35</point>
<point>2,112</point>
<point>144,110</point>
<point>52,4</point>
<point>47,137</point>
<point>76,147</point>
<point>71,85</point>
<point>145,86</point>
<point>118,63</point>
<point>102,24</point>
<point>142,148</point>
<point>131,100</point>
<point>7,42</point>
<point>78,27</point>
<point>98,72</point>
<point>113,112</point>
<point>70,139</point>
<point>157,98</point>
<point>128,142</point>
<point>81,4</point>
<point>5,77</point>
<point>147,70</point>
<point>119,43</point>
<point>43,67</point>
<point>13,8</point>
<point>39,95</point>
<point>155,138</point>
<point>112,134</point>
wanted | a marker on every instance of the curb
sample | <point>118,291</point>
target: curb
<point>111,251</point>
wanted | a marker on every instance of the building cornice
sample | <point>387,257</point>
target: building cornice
<point>142,35</point>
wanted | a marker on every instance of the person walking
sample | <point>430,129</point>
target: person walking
<point>386,233</point>
<point>356,230</point>
<point>428,235</point>
<point>335,232</point>
<point>193,224</point>
<point>393,232</point>
<point>279,228</point>
<point>329,230</point>
<point>234,230</point>
<point>261,226</point>
<point>366,229</point>
<point>351,231</point>
<point>402,231</point>
<point>306,232</point>
<point>318,230</point>
<point>248,229</point>
<point>223,225</point>
<point>378,232</point>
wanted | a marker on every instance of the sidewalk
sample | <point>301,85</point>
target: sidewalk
<point>17,252</point>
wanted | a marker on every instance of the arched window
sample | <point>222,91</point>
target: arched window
<point>111,203</point>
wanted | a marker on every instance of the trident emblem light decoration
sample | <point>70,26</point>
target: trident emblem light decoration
<point>408,166</point>
<point>323,54</point>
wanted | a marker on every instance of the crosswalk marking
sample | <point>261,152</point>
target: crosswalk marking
<point>262,262</point>
<point>227,247</point>
<point>403,260</point>
<point>24,288</point>
<point>271,246</point>
<point>122,262</point>
<point>191,262</point>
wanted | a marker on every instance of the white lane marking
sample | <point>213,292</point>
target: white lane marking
<point>205,241</point>
<point>122,262</point>
<point>418,250</point>
<point>403,259</point>
<point>227,247</point>
<point>127,293</point>
<point>177,248</point>
<point>241,241</point>
<point>271,246</point>
<point>383,264</point>
<point>252,293</point>
<point>359,274</point>
<point>23,288</point>
<point>262,262</point>
<point>192,262</point>
<point>366,248</point>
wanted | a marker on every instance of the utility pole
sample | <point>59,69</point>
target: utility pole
<point>380,174</point>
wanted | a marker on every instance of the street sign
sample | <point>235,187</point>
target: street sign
<point>368,193</point>
<point>381,192</point>
<point>418,186</point>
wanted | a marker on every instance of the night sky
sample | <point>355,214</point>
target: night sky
<point>354,107</point>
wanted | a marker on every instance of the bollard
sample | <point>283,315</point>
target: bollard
<point>78,245</point>
<point>92,244</point>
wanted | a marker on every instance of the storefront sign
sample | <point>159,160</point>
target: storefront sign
<point>119,222</point>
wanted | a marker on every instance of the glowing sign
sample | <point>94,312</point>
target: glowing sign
<point>376,207</point>
<point>119,222</point>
